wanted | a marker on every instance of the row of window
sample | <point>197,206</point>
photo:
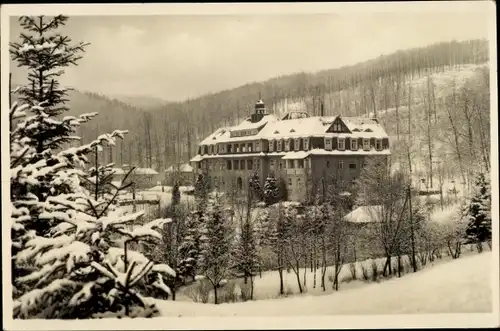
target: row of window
<point>291,144</point>
<point>230,164</point>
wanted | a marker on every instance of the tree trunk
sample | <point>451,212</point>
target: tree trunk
<point>323,263</point>
<point>215,295</point>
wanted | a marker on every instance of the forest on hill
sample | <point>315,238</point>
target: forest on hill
<point>424,79</point>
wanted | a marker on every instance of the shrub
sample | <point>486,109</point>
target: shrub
<point>245,290</point>
<point>227,293</point>
<point>199,291</point>
<point>375,271</point>
<point>352,269</point>
<point>364,270</point>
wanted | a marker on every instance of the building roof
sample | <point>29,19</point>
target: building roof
<point>145,171</point>
<point>274,128</point>
<point>182,168</point>
<point>364,214</point>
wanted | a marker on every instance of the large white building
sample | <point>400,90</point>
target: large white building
<point>298,148</point>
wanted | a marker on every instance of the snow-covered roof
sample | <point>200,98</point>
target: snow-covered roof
<point>145,171</point>
<point>318,151</point>
<point>295,155</point>
<point>364,214</point>
<point>315,126</point>
<point>248,125</point>
<point>363,127</point>
<point>299,127</point>
<point>182,168</point>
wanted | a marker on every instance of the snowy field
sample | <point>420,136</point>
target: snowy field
<point>458,286</point>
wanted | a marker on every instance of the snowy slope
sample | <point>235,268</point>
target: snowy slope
<point>462,285</point>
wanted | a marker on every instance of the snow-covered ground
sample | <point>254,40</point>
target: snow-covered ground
<point>458,286</point>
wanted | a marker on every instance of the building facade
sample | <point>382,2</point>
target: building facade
<point>300,149</point>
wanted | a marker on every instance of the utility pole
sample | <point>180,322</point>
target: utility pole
<point>414,261</point>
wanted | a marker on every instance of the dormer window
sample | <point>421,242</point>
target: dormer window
<point>297,144</point>
<point>328,143</point>
<point>354,144</point>
<point>276,132</point>
<point>292,130</point>
<point>378,144</point>
<point>341,144</point>
<point>337,127</point>
<point>271,145</point>
<point>306,143</point>
<point>366,144</point>
<point>368,130</point>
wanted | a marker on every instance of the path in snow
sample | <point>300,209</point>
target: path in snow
<point>460,286</point>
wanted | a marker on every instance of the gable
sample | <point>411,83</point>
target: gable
<point>338,126</point>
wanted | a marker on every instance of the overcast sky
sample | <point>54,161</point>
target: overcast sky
<point>176,57</point>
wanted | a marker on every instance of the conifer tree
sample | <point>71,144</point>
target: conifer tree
<point>216,240</point>
<point>189,247</point>
<point>478,213</point>
<point>271,190</point>
<point>70,253</point>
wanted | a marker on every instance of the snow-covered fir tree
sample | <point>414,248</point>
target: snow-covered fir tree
<point>216,242</point>
<point>478,212</point>
<point>244,255</point>
<point>69,244</point>
<point>254,187</point>
<point>189,247</point>
<point>271,190</point>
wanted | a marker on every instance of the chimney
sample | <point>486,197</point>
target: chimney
<point>322,109</point>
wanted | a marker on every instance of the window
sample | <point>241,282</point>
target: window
<point>237,148</point>
<point>236,165</point>
<point>301,164</point>
<point>364,164</point>
<point>298,182</point>
<point>257,164</point>
<point>328,143</point>
<point>297,144</point>
<point>378,144</point>
<point>366,144</point>
<point>341,144</point>
<point>306,144</point>
<point>229,148</point>
<point>199,165</point>
<point>222,165</point>
<point>290,164</point>
<point>271,164</point>
<point>249,164</point>
<point>250,147</point>
<point>287,145</point>
<point>328,164</point>
<point>354,144</point>
<point>337,127</point>
<point>271,145</point>
<point>341,164</point>
<point>352,165</point>
<point>243,148</point>
<point>242,164</point>
<point>279,145</point>
<point>289,181</point>
<point>257,146</point>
